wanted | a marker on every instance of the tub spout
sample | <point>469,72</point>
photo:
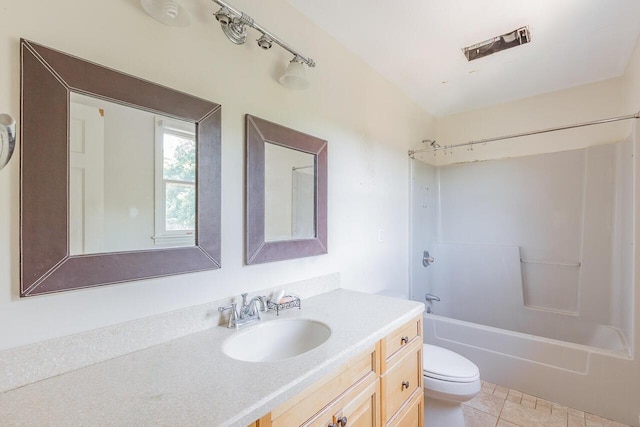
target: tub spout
<point>431,297</point>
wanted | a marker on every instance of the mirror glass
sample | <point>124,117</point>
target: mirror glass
<point>289,188</point>
<point>131,178</point>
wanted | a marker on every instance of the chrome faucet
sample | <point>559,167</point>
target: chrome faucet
<point>251,309</point>
<point>430,299</point>
<point>247,314</point>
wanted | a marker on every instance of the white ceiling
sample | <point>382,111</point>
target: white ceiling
<point>417,45</point>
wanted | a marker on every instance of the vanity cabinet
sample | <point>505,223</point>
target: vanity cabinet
<point>380,387</point>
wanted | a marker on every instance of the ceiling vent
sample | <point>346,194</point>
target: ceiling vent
<point>506,41</point>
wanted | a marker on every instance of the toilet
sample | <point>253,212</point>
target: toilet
<point>449,380</point>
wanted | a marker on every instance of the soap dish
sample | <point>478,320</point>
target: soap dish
<point>293,303</point>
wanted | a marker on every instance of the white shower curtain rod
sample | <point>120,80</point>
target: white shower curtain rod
<point>435,147</point>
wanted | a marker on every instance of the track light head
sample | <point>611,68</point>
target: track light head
<point>223,16</point>
<point>235,31</point>
<point>294,76</point>
<point>265,42</point>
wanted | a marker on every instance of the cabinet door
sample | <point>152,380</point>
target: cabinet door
<point>362,410</point>
<point>357,408</point>
<point>412,414</point>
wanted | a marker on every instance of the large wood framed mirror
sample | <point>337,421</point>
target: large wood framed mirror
<point>120,177</point>
<point>286,193</point>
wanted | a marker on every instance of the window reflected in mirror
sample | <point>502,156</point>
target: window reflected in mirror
<point>132,179</point>
<point>175,205</point>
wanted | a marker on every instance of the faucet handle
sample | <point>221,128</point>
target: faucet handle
<point>264,305</point>
<point>233,316</point>
<point>231,307</point>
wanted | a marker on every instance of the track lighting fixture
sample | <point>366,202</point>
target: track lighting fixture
<point>234,24</point>
<point>223,16</point>
<point>294,76</point>
<point>235,31</point>
<point>264,42</point>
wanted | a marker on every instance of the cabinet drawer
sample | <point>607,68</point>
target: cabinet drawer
<point>306,404</point>
<point>402,379</point>
<point>403,337</point>
<point>412,413</point>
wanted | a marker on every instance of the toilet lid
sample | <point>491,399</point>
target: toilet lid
<point>443,364</point>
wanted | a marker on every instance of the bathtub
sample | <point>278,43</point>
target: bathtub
<point>549,352</point>
<point>560,371</point>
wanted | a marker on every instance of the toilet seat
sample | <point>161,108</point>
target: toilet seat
<point>445,365</point>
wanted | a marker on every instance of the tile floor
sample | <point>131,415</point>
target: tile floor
<point>497,406</point>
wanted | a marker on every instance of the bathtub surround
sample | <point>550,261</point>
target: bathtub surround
<point>24,365</point>
<point>546,236</point>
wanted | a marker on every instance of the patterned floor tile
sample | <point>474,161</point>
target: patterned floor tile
<point>527,417</point>
<point>497,406</point>
<point>475,418</point>
<point>486,402</point>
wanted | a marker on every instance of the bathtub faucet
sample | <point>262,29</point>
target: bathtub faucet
<point>431,297</point>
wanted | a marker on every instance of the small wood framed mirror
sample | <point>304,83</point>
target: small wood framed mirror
<point>286,193</point>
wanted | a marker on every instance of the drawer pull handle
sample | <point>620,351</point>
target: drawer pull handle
<point>332,425</point>
<point>342,422</point>
<point>405,384</point>
<point>404,340</point>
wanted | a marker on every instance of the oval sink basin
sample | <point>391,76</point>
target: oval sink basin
<point>276,340</point>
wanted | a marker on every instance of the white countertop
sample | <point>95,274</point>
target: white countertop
<point>190,381</point>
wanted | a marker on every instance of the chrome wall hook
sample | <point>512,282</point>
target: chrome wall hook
<point>7,138</point>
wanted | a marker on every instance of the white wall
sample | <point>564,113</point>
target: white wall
<point>369,125</point>
<point>576,105</point>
